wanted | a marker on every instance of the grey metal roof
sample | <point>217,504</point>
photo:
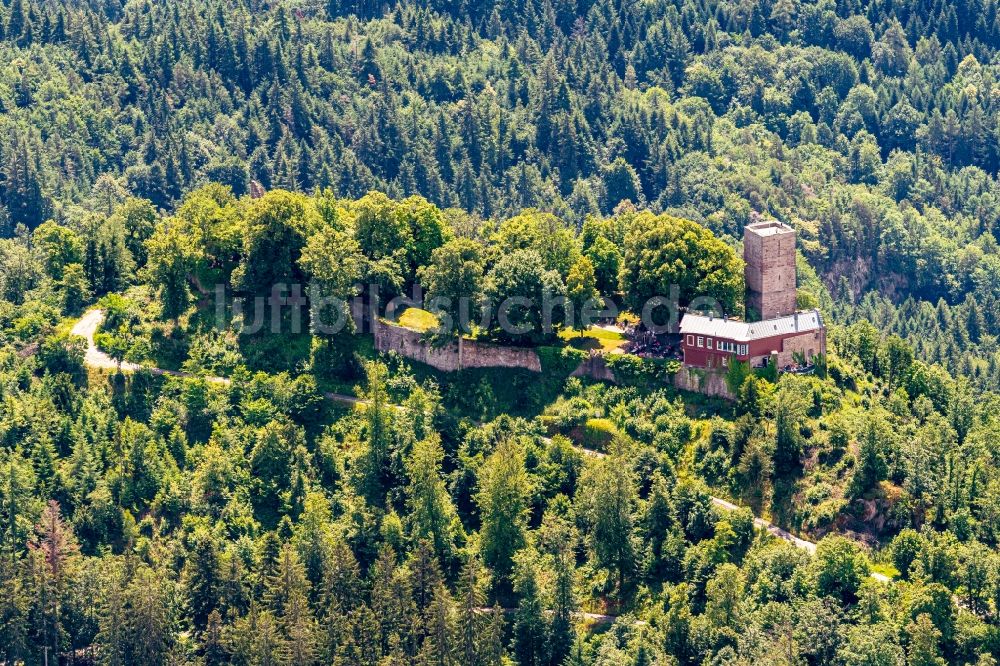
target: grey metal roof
<point>716,327</point>
<point>742,331</point>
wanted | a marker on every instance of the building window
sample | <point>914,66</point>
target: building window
<point>690,339</point>
<point>708,342</point>
<point>701,341</point>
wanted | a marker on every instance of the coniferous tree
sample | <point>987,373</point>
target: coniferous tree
<point>609,504</point>
<point>202,580</point>
<point>502,499</point>
<point>530,643</point>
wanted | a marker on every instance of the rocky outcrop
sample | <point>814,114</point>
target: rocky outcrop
<point>595,367</point>
<point>703,380</point>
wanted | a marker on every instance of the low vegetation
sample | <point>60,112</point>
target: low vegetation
<point>175,163</point>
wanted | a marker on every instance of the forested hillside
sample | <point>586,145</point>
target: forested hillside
<point>873,128</point>
<point>203,495</point>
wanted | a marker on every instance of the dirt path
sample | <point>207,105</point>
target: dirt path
<point>86,327</point>
<point>95,358</point>
<point>769,527</point>
<point>594,618</point>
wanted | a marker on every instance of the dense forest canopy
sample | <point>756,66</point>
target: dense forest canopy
<point>871,127</point>
<point>874,126</point>
<point>202,495</point>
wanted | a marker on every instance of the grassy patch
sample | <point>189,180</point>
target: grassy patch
<point>597,434</point>
<point>416,319</point>
<point>885,569</point>
<point>593,338</point>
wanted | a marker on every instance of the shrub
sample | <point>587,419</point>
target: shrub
<point>598,434</point>
<point>635,370</point>
<point>736,374</point>
<point>559,361</point>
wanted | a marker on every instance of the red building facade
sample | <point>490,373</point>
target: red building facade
<point>712,342</point>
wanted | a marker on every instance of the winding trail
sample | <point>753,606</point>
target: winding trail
<point>771,528</point>
<point>86,327</point>
<point>767,526</point>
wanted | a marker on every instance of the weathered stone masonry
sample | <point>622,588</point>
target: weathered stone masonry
<point>451,357</point>
<point>769,253</point>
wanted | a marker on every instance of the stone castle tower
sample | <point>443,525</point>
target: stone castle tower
<point>769,253</point>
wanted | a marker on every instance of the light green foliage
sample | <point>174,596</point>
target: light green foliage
<point>171,261</point>
<point>454,273</point>
<point>662,251</point>
<point>138,218</point>
<point>151,151</point>
<point>725,596</point>
<point>873,446</point>
<point>332,259</point>
<point>398,237</point>
<point>621,184</point>
<point>840,568</point>
<point>503,504</point>
<point>789,407</point>
<point>598,434</point>
<point>20,271</point>
<point>74,288</point>
<point>606,258</point>
<point>545,234</point>
<point>581,289</point>
<point>518,288</point>
<point>431,513</point>
<point>609,506</point>
<point>277,227</point>
<point>59,246</point>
